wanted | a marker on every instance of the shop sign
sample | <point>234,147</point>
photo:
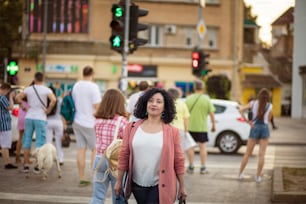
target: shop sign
<point>66,68</point>
<point>143,71</point>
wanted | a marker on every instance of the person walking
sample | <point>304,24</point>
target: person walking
<point>86,96</point>
<point>108,116</point>
<point>23,108</point>
<point>143,86</point>
<point>151,152</point>
<point>36,117</point>
<point>261,115</point>
<point>181,119</point>
<point>199,106</point>
<point>5,124</point>
<point>55,127</point>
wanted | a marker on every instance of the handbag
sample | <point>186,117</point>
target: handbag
<point>66,139</point>
<point>187,141</point>
<point>182,200</point>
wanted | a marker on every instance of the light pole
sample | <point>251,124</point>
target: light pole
<point>44,48</point>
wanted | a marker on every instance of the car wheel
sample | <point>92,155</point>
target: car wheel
<point>228,142</point>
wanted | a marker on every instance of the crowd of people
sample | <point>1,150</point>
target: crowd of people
<point>157,128</point>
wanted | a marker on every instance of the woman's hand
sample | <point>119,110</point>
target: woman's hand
<point>118,188</point>
<point>182,193</point>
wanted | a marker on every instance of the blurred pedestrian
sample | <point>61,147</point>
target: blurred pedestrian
<point>55,127</point>
<point>86,96</point>
<point>36,116</point>
<point>107,117</point>
<point>199,106</point>
<point>22,111</point>
<point>5,123</point>
<point>261,115</point>
<point>180,120</point>
<point>151,152</point>
<point>143,86</point>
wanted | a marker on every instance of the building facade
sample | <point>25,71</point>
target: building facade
<point>78,35</point>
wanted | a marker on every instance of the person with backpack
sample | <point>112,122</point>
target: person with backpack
<point>55,126</point>
<point>110,120</point>
<point>261,113</point>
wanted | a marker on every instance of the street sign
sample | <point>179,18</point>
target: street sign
<point>201,28</point>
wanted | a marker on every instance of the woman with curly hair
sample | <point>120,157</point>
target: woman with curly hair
<point>151,152</point>
<point>261,115</point>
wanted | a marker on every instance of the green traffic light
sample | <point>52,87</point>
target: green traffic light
<point>118,12</point>
<point>116,41</point>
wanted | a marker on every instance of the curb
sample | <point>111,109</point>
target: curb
<point>279,195</point>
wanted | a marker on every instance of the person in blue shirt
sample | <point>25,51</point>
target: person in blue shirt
<point>5,123</point>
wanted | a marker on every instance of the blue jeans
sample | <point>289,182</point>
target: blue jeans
<point>40,131</point>
<point>100,188</point>
<point>260,130</point>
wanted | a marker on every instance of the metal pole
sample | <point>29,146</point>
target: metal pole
<point>44,51</point>
<point>200,17</point>
<point>124,73</point>
<point>5,67</point>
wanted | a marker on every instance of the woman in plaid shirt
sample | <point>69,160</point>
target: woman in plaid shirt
<point>110,109</point>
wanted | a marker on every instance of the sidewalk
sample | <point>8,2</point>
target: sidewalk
<point>220,185</point>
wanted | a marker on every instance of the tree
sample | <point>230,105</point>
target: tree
<point>219,86</point>
<point>10,23</point>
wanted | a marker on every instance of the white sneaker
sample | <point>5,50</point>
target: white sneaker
<point>258,179</point>
<point>240,176</point>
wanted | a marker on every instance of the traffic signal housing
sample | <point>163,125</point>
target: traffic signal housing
<point>199,63</point>
<point>135,27</point>
<point>117,26</point>
<point>205,69</point>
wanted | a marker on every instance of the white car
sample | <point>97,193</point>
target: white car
<point>232,131</point>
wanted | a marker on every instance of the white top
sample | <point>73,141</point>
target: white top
<point>254,105</point>
<point>85,94</point>
<point>36,109</point>
<point>132,103</point>
<point>147,149</point>
<point>57,115</point>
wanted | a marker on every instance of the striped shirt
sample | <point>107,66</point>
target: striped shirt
<point>105,129</point>
<point>5,117</point>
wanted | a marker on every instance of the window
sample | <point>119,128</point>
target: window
<point>189,36</point>
<point>154,35</point>
<point>64,16</point>
<point>211,38</point>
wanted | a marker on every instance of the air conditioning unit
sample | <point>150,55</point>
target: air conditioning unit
<point>170,29</point>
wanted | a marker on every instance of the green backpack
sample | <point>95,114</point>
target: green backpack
<point>68,108</point>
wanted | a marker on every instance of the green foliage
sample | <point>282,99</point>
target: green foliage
<point>10,23</point>
<point>219,87</point>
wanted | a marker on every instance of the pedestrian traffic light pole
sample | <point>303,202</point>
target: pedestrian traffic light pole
<point>124,72</point>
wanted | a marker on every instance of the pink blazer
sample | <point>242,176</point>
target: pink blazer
<point>172,161</point>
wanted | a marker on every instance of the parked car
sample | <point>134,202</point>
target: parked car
<point>232,131</point>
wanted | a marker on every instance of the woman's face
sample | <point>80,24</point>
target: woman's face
<point>155,105</point>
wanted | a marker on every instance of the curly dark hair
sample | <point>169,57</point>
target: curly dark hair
<point>169,107</point>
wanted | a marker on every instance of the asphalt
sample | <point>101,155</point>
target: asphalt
<point>220,185</point>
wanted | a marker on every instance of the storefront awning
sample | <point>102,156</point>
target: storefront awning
<point>260,81</point>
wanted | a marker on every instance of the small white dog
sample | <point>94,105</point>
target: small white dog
<point>45,157</point>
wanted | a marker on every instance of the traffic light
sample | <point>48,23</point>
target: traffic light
<point>196,62</point>
<point>135,27</point>
<point>199,62</point>
<point>117,25</point>
<point>205,69</point>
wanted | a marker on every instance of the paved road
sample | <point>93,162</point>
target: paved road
<point>288,148</point>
